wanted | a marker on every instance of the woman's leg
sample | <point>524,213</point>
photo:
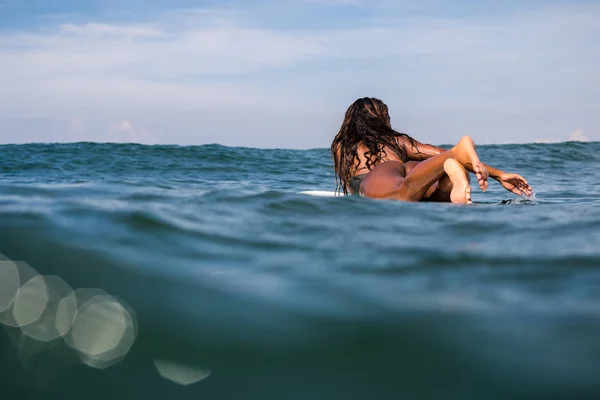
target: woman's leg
<point>439,191</point>
<point>414,185</point>
<point>458,188</point>
<point>455,185</point>
<point>426,173</point>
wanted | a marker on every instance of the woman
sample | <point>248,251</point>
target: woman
<point>373,160</point>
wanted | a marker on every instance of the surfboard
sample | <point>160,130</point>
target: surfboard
<point>321,193</point>
<point>519,201</point>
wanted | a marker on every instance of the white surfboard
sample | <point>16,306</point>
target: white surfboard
<point>321,193</point>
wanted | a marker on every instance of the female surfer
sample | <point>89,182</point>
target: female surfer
<point>373,160</point>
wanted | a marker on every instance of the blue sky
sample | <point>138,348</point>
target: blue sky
<point>268,73</point>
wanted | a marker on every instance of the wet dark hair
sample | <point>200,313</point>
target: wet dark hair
<point>366,122</point>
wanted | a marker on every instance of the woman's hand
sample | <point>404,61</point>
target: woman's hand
<point>515,183</point>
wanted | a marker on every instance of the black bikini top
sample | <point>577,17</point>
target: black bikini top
<point>355,182</point>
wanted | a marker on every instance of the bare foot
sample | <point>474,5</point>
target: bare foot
<point>461,190</point>
<point>464,153</point>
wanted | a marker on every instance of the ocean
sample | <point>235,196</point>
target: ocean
<point>203,272</point>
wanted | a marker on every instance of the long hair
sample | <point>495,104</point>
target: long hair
<point>367,123</point>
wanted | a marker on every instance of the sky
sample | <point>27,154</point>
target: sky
<point>281,74</point>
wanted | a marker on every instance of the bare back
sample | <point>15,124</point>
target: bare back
<point>360,166</point>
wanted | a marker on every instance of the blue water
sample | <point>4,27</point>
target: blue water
<point>281,295</point>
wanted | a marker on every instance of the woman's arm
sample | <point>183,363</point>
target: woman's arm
<point>417,151</point>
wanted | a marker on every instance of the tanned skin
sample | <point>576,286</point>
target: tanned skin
<point>514,183</point>
<point>402,168</point>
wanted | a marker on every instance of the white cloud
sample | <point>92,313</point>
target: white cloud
<point>109,51</point>
<point>546,141</point>
<point>578,136</point>
<point>125,132</point>
<point>575,136</point>
<point>123,126</point>
<point>116,31</point>
<point>215,75</point>
<point>335,3</point>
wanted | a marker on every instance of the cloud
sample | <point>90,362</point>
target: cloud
<point>115,31</point>
<point>110,51</point>
<point>123,126</point>
<point>578,136</point>
<point>264,76</point>
<point>546,141</point>
<point>335,3</point>
<point>125,132</point>
<point>575,136</point>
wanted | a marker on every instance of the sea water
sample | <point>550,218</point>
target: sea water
<point>203,272</point>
